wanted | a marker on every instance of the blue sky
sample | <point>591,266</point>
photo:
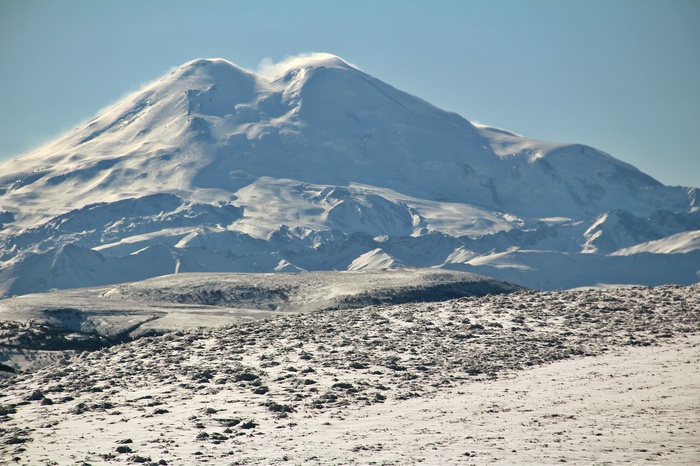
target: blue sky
<point>620,75</point>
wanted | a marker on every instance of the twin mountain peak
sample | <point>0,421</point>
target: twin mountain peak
<point>321,151</point>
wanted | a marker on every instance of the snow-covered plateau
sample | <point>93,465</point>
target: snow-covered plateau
<point>580,376</point>
<point>216,169</point>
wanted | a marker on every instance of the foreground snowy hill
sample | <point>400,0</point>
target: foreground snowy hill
<point>582,376</point>
<point>323,167</point>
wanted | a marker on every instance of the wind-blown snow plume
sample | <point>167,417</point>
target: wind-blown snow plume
<point>271,69</point>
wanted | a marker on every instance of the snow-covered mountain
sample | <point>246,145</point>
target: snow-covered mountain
<point>215,168</point>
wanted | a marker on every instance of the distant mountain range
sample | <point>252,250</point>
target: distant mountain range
<point>214,168</point>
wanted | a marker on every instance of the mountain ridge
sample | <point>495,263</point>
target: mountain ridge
<point>295,163</point>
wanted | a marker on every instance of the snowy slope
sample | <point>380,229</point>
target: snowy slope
<point>579,376</point>
<point>215,168</point>
<point>550,270</point>
<point>680,243</point>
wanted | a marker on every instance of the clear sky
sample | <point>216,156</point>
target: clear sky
<point>620,75</point>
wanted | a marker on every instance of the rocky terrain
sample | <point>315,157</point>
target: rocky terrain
<point>583,376</point>
<point>36,329</point>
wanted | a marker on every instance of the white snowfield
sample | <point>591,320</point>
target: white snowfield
<point>323,167</point>
<point>582,376</point>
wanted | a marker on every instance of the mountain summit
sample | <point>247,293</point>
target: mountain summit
<point>318,165</point>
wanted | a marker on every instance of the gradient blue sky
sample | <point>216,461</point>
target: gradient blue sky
<point>620,75</point>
